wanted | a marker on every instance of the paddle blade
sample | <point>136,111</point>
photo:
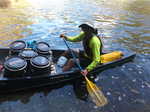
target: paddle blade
<point>96,94</point>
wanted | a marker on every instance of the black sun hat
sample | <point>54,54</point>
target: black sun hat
<point>88,28</point>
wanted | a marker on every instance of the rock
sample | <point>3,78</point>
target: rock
<point>113,77</point>
<point>134,80</point>
<point>124,95</point>
<point>96,79</point>
<point>108,93</point>
<point>130,69</point>
<point>69,93</point>
<point>95,107</point>
<point>140,101</point>
<point>119,98</point>
<point>140,72</point>
<point>142,86</point>
<point>147,84</point>
<point>123,66</point>
<point>114,106</point>
<point>134,91</point>
<point>138,66</point>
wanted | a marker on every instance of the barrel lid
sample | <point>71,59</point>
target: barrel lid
<point>15,63</point>
<point>28,53</point>
<point>43,47</point>
<point>17,45</point>
<point>40,61</point>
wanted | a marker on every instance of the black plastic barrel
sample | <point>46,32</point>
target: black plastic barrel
<point>27,54</point>
<point>17,46</point>
<point>40,65</point>
<point>43,48</point>
<point>14,67</point>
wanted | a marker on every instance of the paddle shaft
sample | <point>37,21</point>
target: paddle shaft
<point>73,55</point>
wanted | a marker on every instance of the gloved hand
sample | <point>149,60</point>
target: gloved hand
<point>84,72</point>
<point>63,36</point>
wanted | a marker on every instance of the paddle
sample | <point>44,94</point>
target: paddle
<point>96,94</point>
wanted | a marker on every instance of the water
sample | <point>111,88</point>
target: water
<point>124,23</point>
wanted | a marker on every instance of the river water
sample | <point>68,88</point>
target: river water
<point>125,26</point>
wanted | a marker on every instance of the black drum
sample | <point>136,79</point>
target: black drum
<point>43,48</point>
<point>15,67</point>
<point>17,46</point>
<point>27,54</point>
<point>40,64</point>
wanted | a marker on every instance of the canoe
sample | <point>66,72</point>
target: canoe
<point>29,81</point>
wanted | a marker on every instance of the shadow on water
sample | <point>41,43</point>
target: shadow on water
<point>56,99</point>
<point>47,97</point>
<point>24,96</point>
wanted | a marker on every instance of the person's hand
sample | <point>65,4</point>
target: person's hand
<point>84,72</point>
<point>62,36</point>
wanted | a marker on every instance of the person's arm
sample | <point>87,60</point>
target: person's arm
<point>95,47</point>
<point>75,38</point>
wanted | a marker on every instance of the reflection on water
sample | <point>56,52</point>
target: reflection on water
<point>35,19</point>
<point>13,21</point>
<point>135,32</point>
<point>4,3</point>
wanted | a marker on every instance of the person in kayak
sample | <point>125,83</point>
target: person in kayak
<point>92,44</point>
